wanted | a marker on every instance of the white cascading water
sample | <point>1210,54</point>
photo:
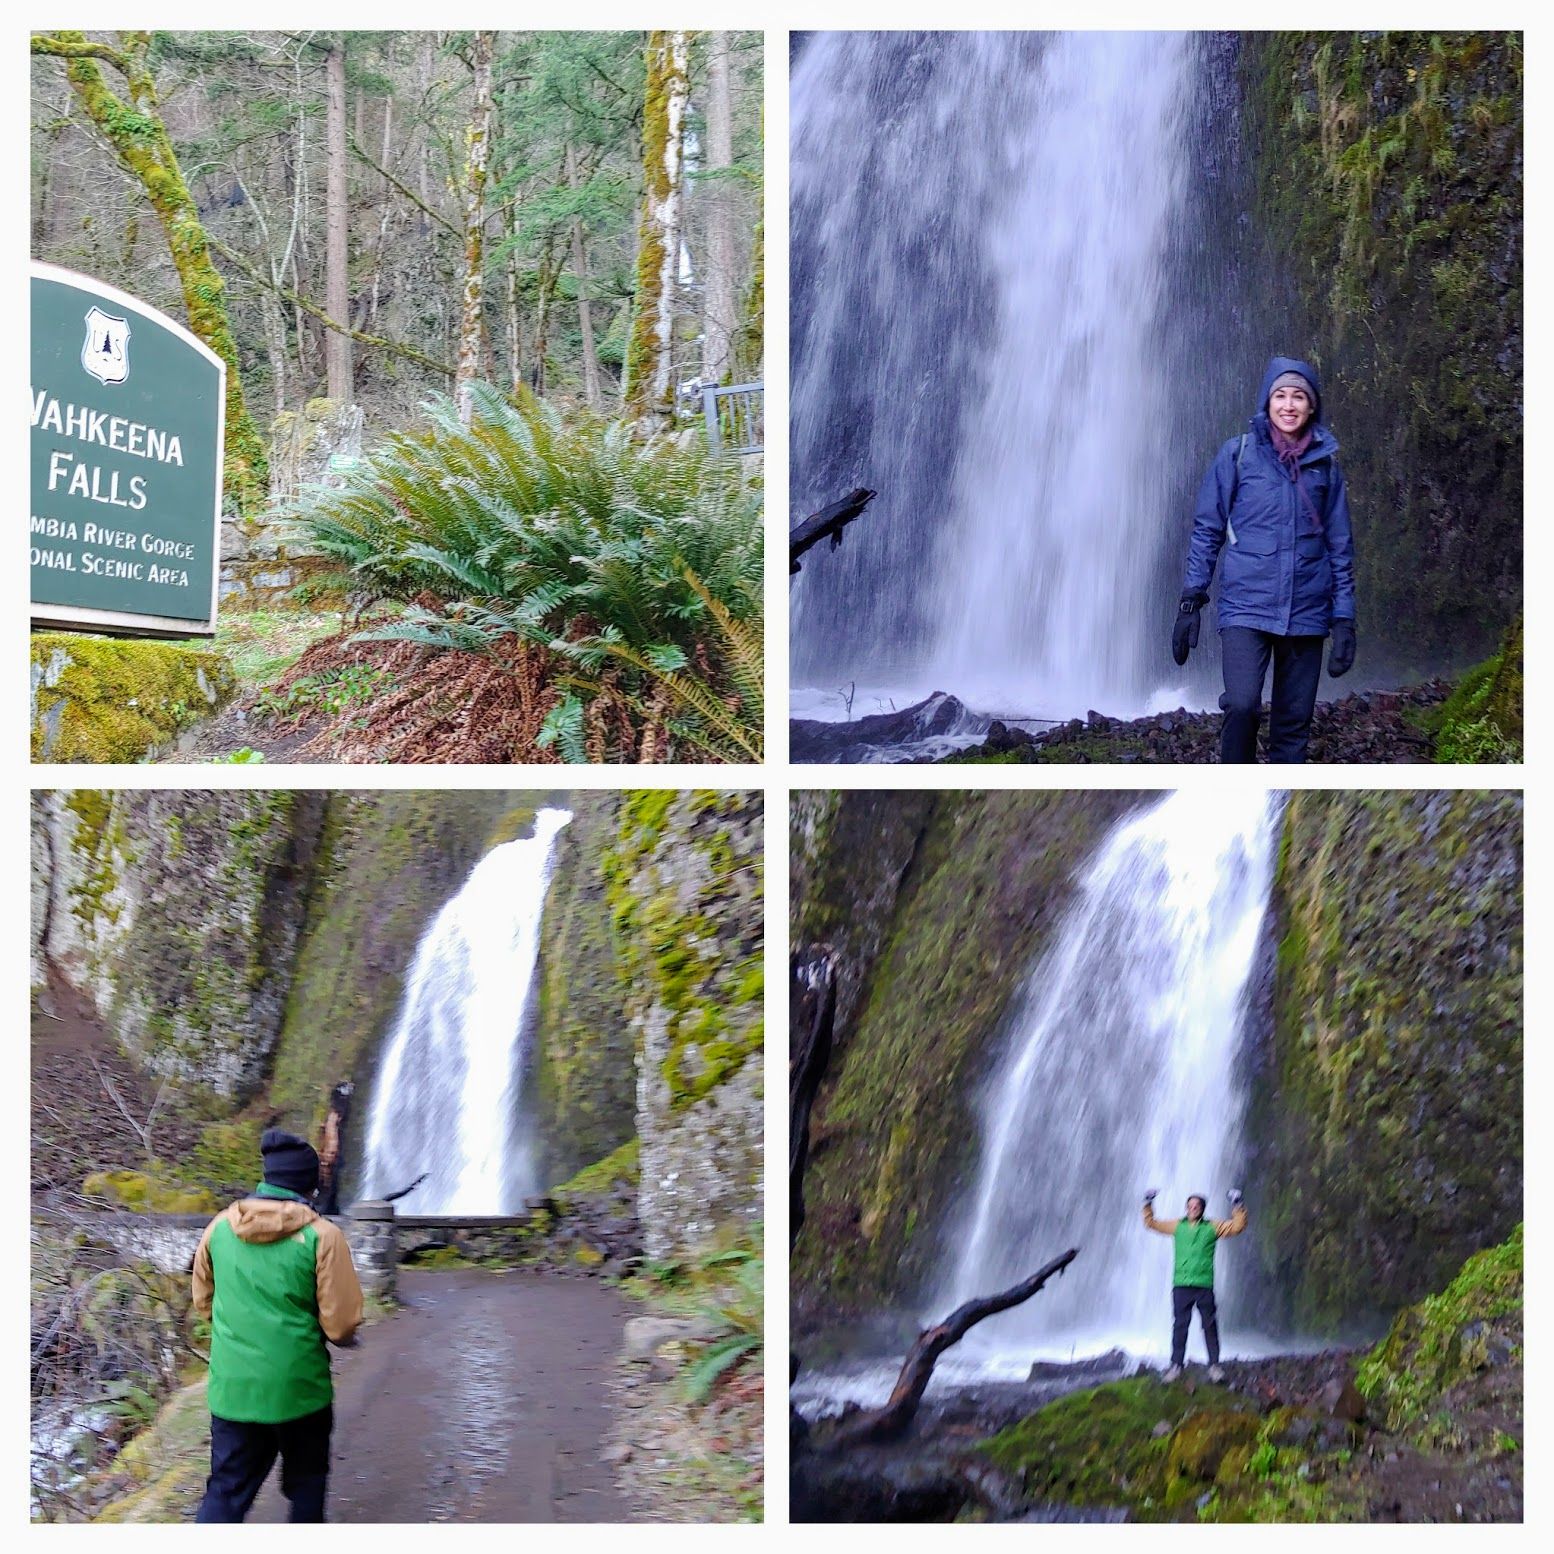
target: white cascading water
<point>1122,1072</point>
<point>990,316</point>
<point>1060,505</point>
<point>447,1097</point>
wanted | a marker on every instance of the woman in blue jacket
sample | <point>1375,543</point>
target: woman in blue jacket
<point>1274,502</point>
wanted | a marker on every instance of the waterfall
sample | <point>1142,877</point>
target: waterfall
<point>1122,1072</point>
<point>1011,317</point>
<point>449,1088</point>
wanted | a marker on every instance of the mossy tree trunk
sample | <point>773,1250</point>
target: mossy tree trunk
<point>720,294</point>
<point>650,356</point>
<point>139,137</point>
<point>476,162</point>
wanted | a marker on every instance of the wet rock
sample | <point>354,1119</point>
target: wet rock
<point>1341,1399</point>
<point>813,740</point>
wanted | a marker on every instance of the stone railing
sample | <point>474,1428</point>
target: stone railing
<point>586,1237</point>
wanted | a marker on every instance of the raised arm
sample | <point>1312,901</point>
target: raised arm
<point>1237,1221</point>
<point>1166,1227</point>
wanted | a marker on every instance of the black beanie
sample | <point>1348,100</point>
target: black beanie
<point>289,1162</point>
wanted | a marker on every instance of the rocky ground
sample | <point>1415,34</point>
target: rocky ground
<point>1287,1439</point>
<point>686,1461</point>
<point>1378,727</point>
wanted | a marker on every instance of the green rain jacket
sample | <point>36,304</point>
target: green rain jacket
<point>275,1280</point>
<point>1195,1243</point>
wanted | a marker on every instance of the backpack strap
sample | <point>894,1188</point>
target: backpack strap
<point>1235,485</point>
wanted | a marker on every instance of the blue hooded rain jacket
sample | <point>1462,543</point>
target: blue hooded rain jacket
<point>1282,573</point>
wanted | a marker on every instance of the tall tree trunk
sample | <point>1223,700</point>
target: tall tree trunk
<point>720,292</point>
<point>514,324</point>
<point>139,137</point>
<point>337,277</point>
<point>478,156</point>
<point>593,390</point>
<point>650,355</point>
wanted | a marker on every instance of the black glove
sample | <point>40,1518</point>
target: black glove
<point>1340,657</point>
<point>1184,633</point>
<point>1150,1196</point>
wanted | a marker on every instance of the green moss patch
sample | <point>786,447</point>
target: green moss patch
<point>1106,1445</point>
<point>619,1167</point>
<point>1481,721</point>
<point>104,699</point>
<point>1447,1338</point>
<point>149,1192</point>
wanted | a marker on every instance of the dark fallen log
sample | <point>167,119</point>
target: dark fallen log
<point>812,1021</point>
<point>892,1421</point>
<point>828,523</point>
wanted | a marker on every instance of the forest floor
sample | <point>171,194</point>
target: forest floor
<point>309,692</point>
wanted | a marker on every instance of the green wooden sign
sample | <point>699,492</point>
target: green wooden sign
<point>128,411</point>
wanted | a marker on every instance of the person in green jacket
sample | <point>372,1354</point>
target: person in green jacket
<point>1192,1279</point>
<point>275,1281</point>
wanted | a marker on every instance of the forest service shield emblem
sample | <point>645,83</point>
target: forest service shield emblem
<point>105,352</point>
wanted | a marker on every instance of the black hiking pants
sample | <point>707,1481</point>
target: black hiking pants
<point>242,1454</point>
<point>1183,1298</point>
<point>1297,669</point>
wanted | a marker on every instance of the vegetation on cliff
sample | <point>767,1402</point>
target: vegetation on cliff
<point>1432,1433</point>
<point>941,907</point>
<point>1386,1120</point>
<point>1389,170</point>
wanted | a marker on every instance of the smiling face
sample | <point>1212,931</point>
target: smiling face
<point>1289,408</point>
<point>1195,1208</point>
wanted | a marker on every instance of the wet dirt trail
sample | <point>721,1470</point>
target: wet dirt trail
<point>485,1400</point>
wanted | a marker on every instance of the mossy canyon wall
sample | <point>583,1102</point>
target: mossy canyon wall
<point>1388,195</point>
<point>1384,1066</point>
<point>252,948</point>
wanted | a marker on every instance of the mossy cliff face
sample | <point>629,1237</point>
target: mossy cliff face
<point>104,699</point>
<point>684,884</point>
<point>584,1077</point>
<point>1389,168</point>
<point>1386,1112</point>
<point>387,863</point>
<point>178,914</point>
<point>939,906</point>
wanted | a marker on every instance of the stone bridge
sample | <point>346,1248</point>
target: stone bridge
<point>585,1237</point>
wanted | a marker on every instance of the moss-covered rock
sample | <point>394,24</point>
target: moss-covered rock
<point>177,913</point>
<point>148,1193</point>
<point>1387,1101</point>
<point>584,1076</point>
<point>1481,721</point>
<point>620,1168</point>
<point>117,699</point>
<point>1473,1325</point>
<point>685,891</point>
<point>939,906</point>
<point>1143,1443</point>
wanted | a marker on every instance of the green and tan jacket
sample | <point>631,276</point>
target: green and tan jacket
<point>275,1280</point>
<point>1195,1243</point>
